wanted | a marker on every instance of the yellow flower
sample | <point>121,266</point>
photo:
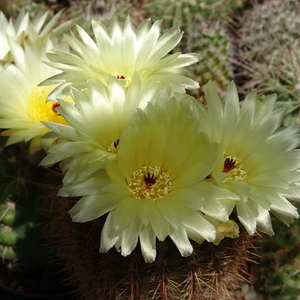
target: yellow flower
<point>22,103</point>
<point>122,52</point>
<point>23,28</point>
<point>96,123</point>
<point>259,160</point>
<point>155,186</point>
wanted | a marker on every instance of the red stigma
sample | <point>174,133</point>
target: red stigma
<point>229,164</point>
<point>120,77</point>
<point>116,143</point>
<point>149,180</point>
<point>54,106</point>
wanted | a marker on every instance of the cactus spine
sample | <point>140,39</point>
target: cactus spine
<point>212,272</point>
<point>204,24</point>
<point>267,51</point>
<point>280,266</point>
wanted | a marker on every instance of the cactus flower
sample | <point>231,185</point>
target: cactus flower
<point>96,123</point>
<point>259,161</point>
<point>24,29</point>
<point>22,102</point>
<point>155,187</point>
<point>122,52</point>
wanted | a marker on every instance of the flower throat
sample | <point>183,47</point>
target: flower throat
<point>150,182</point>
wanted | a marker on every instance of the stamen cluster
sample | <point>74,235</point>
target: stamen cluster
<point>150,182</point>
<point>234,168</point>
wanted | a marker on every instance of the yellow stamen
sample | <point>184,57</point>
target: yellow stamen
<point>112,147</point>
<point>229,229</point>
<point>234,168</point>
<point>150,182</point>
<point>40,110</point>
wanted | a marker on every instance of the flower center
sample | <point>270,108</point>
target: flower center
<point>40,110</point>
<point>234,168</point>
<point>150,182</point>
<point>229,164</point>
<point>54,106</point>
<point>113,147</point>
<point>127,80</point>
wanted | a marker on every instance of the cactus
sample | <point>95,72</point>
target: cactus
<point>280,266</point>
<point>204,24</point>
<point>268,25</point>
<point>183,12</point>
<point>212,272</point>
<point>12,8</point>
<point>267,51</point>
<point>82,11</point>
<point>213,44</point>
<point>286,74</point>
<point>18,215</point>
<point>26,258</point>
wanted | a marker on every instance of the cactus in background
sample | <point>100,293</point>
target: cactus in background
<point>287,85</point>
<point>18,204</point>
<point>12,8</point>
<point>212,42</point>
<point>82,11</point>
<point>267,26</point>
<point>23,210</point>
<point>280,266</point>
<point>267,52</point>
<point>183,12</point>
<point>205,31</point>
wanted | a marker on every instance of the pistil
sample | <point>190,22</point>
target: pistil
<point>234,168</point>
<point>150,182</point>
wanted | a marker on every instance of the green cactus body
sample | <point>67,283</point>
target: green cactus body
<point>280,266</point>
<point>182,11</point>
<point>11,7</point>
<point>214,46</point>
<point>19,214</point>
<point>27,260</point>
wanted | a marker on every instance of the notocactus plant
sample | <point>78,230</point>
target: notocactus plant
<point>81,12</point>
<point>21,220</point>
<point>205,32</point>
<point>267,52</point>
<point>280,265</point>
<point>211,272</point>
<point>184,12</point>
<point>268,25</point>
<point>214,46</point>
